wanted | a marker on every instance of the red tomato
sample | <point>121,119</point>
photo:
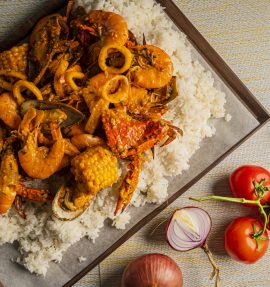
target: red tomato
<point>242,182</point>
<point>239,243</point>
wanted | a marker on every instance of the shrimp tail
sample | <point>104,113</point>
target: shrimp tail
<point>41,195</point>
<point>19,207</point>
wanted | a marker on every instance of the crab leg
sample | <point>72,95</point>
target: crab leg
<point>172,132</point>
<point>129,183</point>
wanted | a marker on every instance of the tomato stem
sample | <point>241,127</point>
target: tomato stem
<point>256,235</point>
<point>253,235</point>
<point>263,213</point>
<point>259,188</point>
<point>222,198</point>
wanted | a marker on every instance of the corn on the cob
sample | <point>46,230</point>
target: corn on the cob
<point>95,169</point>
<point>14,59</point>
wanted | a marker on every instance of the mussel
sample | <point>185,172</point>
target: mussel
<point>63,207</point>
<point>165,94</point>
<point>64,115</point>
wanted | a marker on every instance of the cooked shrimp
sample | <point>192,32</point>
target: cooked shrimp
<point>70,148</point>
<point>9,178</point>
<point>41,195</point>
<point>152,67</point>
<point>70,151</point>
<point>2,138</point>
<point>111,28</point>
<point>31,120</point>
<point>40,162</point>
<point>10,187</point>
<point>82,141</point>
<point>137,98</point>
<point>138,102</point>
<point>74,130</point>
<point>9,112</point>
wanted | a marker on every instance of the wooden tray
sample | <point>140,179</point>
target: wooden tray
<point>248,116</point>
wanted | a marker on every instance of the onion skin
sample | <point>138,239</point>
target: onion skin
<point>152,270</point>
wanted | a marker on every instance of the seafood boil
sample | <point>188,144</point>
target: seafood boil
<point>58,93</point>
<point>91,99</point>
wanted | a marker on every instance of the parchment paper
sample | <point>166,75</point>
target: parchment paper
<point>228,134</point>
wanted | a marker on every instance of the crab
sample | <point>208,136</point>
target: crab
<point>129,137</point>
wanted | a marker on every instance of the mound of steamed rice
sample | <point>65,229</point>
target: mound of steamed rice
<point>42,237</point>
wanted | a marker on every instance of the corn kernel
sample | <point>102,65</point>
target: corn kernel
<point>96,168</point>
<point>14,59</point>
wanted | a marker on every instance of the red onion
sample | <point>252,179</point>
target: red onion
<point>152,270</point>
<point>187,229</point>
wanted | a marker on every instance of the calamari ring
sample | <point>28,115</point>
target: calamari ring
<point>121,86</point>
<point>104,53</point>
<point>95,116</point>
<point>30,86</point>
<point>6,85</point>
<point>70,76</point>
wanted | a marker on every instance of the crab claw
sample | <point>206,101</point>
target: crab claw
<point>172,132</point>
<point>129,184</point>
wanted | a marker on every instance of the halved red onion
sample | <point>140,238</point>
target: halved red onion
<point>188,228</point>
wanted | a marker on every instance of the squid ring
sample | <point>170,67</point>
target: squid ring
<point>30,86</point>
<point>95,116</point>
<point>116,89</point>
<point>104,53</point>
<point>6,85</point>
<point>73,75</point>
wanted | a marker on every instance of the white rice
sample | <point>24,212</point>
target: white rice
<point>82,259</point>
<point>43,238</point>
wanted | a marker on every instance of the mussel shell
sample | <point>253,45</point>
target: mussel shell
<point>60,210</point>
<point>74,116</point>
<point>172,89</point>
<point>169,92</point>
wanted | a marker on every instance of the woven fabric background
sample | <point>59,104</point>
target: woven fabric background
<point>240,32</point>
